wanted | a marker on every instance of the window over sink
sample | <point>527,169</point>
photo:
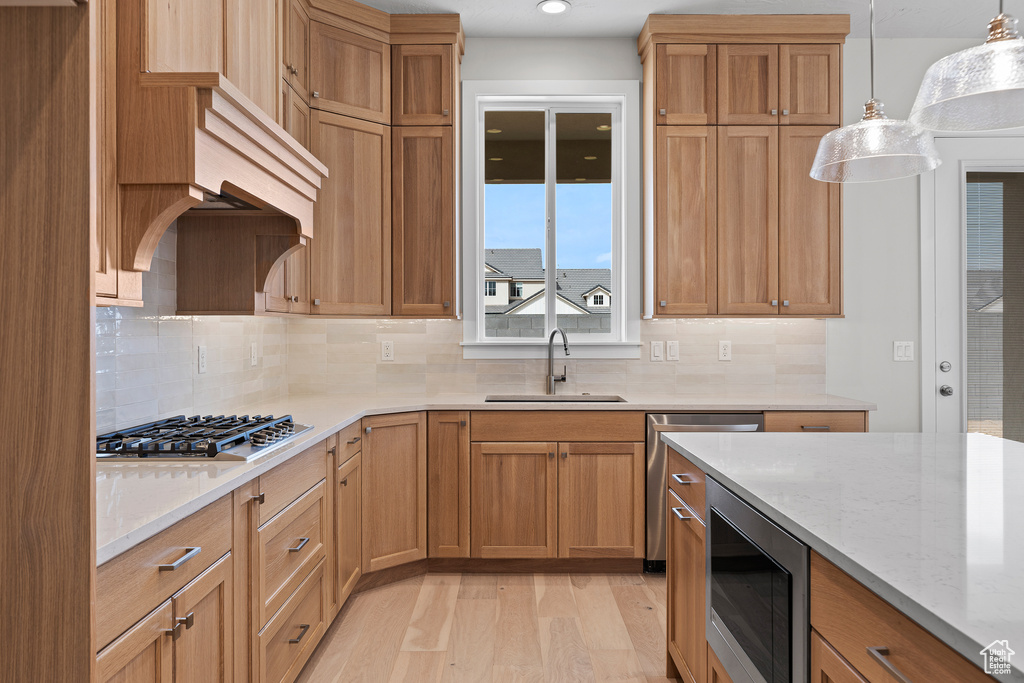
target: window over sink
<point>551,214</point>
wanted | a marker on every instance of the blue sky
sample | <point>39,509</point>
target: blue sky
<point>515,219</point>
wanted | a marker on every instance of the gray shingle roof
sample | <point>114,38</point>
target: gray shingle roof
<point>520,264</point>
<point>526,264</point>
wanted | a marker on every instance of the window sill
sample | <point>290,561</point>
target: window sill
<point>502,350</point>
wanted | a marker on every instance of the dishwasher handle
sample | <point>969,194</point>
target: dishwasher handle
<point>708,428</point>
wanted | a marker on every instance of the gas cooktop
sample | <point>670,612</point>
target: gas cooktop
<point>231,438</point>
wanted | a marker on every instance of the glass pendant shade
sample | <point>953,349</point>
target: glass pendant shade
<point>980,88</point>
<point>875,148</point>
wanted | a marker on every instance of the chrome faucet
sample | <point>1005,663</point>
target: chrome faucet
<point>552,378</point>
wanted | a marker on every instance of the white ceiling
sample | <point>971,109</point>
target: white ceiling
<point>624,18</point>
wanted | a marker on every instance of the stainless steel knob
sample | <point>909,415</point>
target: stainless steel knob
<point>775,112</point>
<point>444,112</point>
<point>946,390</point>
<point>447,304</point>
<point>316,93</point>
<point>295,299</point>
<point>662,112</point>
<point>775,302</point>
<point>316,302</point>
<point>785,302</point>
<point>664,303</point>
<point>785,112</point>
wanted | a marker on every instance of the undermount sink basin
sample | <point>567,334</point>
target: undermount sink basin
<point>557,398</point>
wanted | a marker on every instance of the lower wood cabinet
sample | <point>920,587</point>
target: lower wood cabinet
<point>828,666</point>
<point>291,636</point>
<point>394,474</point>
<point>348,522</point>
<point>144,653</point>
<point>448,484</point>
<point>815,421</point>
<point>686,591</point>
<point>717,672</point>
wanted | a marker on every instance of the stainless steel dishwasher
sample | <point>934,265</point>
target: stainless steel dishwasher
<point>657,463</point>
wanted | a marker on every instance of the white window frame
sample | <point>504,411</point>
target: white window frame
<point>490,284</point>
<point>595,301</point>
<point>516,290</point>
<point>563,96</point>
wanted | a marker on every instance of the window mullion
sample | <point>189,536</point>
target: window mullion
<point>551,292</point>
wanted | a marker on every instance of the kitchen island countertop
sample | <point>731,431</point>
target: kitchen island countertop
<point>932,523</point>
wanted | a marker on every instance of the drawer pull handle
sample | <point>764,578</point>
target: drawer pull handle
<point>881,655</point>
<point>679,513</point>
<point>304,627</point>
<point>188,620</point>
<point>189,554</point>
<point>823,428</point>
<point>355,440</point>
<point>679,479</point>
<point>302,544</point>
<point>174,632</point>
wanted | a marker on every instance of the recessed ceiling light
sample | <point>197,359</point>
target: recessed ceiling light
<point>554,6</point>
<point>497,159</point>
<point>494,130</point>
<point>589,158</point>
<point>604,126</point>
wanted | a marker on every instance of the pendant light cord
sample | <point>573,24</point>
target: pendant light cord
<point>872,34</point>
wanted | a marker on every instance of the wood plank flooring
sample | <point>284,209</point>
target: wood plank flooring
<point>478,628</point>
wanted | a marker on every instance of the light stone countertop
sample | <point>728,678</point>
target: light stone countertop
<point>933,523</point>
<point>135,501</point>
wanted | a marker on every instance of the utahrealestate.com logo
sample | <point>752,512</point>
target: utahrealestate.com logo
<point>997,657</point>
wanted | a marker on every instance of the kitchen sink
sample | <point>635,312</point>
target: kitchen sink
<point>557,398</point>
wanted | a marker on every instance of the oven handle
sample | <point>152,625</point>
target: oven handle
<point>881,655</point>
<point>708,428</point>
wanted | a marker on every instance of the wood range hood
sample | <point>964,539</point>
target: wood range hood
<point>184,139</point>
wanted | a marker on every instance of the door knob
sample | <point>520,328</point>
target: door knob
<point>946,390</point>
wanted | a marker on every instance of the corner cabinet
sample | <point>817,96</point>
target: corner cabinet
<point>734,110</point>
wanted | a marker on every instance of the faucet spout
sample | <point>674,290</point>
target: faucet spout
<point>552,377</point>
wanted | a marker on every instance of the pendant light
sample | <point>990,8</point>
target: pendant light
<point>980,88</point>
<point>875,148</point>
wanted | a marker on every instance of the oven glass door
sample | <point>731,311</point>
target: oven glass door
<point>750,595</point>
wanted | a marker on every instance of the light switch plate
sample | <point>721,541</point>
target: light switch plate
<point>725,350</point>
<point>202,359</point>
<point>657,351</point>
<point>387,350</point>
<point>672,350</point>
<point>903,351</point>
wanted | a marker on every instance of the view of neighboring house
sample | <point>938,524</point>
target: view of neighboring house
<point>515,300</point>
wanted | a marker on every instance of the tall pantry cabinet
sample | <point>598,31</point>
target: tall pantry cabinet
<point>734,107</point>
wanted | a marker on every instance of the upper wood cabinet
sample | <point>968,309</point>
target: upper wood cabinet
<point>295,114</point>
<point>394,473</point>
<point>423,221</point>
<point>349,74</point>
<point>686,222</point>
<point>251,51</point>
<point>748,214</point>
<point>809,84</point>
<point>422,89</point>
<point>748,84</point>
<point>296,47</point>
<point>350,258</point>
<point>448,484</point>
<point>686,85</point>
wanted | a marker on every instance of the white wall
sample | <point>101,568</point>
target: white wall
<point>881,248</point>
<point>516,59</point>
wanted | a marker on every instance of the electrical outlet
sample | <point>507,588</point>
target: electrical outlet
<point>202,359</point>
<point>254,355</point>
<point>657,351</point>
<point>903,351</point>
<point>387,350</point>
<point>672,350</point>
<point>725,350</point>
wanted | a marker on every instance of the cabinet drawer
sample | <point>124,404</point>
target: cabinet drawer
<point>350,442</point>
<point>852,619</point>
<point>557,425</point>
<point>131,585</point>
<point>283,484</point>
<point>288,546</point>
<point>815,421</point>
<point>291,636</point>
<point>687,481</point>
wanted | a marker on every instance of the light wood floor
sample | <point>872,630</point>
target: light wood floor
<point>499,627</point>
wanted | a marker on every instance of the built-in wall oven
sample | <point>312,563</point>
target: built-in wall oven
<point>757,587</point>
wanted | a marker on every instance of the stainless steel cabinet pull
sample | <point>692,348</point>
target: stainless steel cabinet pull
<point>785,112</point>
<point>304,627</point>
<point>316,302</point>
<point>369,429</point>
<point>823,428</point>
<point>881,655</point>
<point>662,112</point>
<point>785,302</point>
<point>261,499</point>
<point>295,299</point>
<point>316,94</point>
<point>663,303</point>
<point>679,513</point>
<point>444,112</point>
<point>775,112</point>
<point>302,544</point>
<point>333,450</point>
<point>174,632</point>
<point>679,479</point>
<point>551,456</point>
<point>189,554</point>
<point>188,620</point>
<point>356,440</point>
<point>775,302</point>
<point>564,455</point>
<point>446,304</point>
<point>462,423</point>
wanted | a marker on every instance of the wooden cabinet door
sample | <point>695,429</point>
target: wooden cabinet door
<point>748,85</point>
<point>394,490</point>
<point>448,484</point>
<point>143,653</point>
<point>601,499</point>
<point>350,258</point>
<point>686,223</point>
<point>686,591</point>
<point>716,672</point>
<point>349,74</point>
<point>204,650</point>
<point>296,115</point>
<point>748,215</point>
<point>296,274</point>
<point>828,666</point>
<point>421,85</point>
<point>809,81</point>
<point>514,500</point>
<point>423,222</point>
<point>349,523</point>
<point>810,228</point>
<point>296,48</point>
<point>686,85</point>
